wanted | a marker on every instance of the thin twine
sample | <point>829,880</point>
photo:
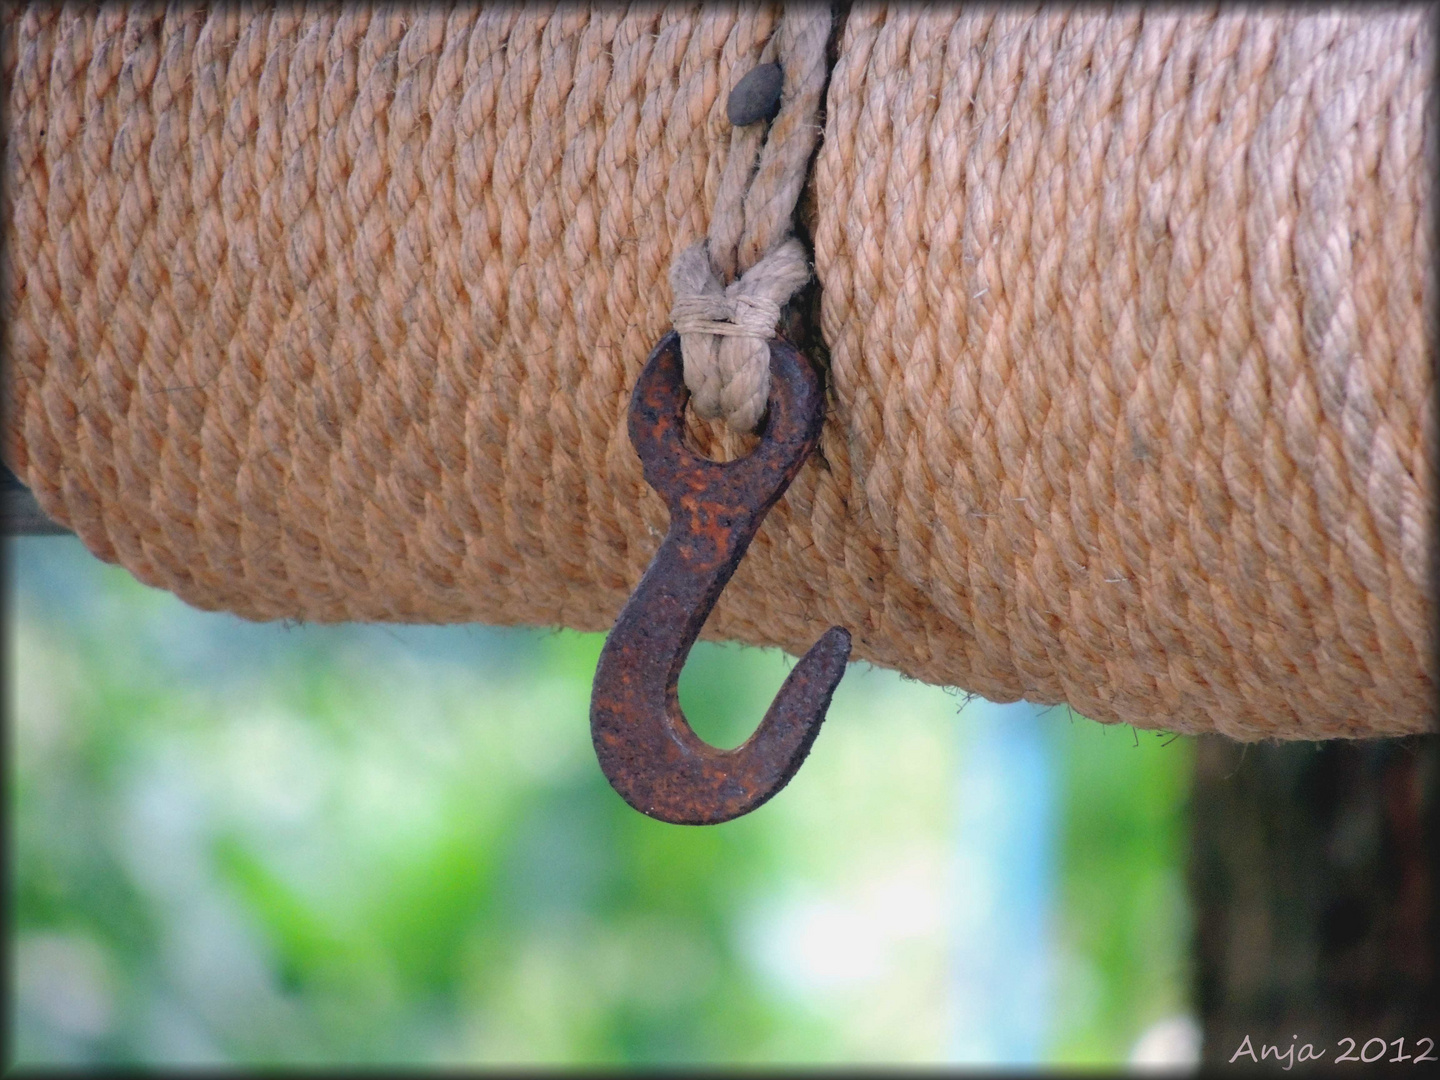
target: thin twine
<point>724,328</point>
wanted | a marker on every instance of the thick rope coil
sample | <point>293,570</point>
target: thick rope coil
<point>334,314</point>
<point>724,328</point>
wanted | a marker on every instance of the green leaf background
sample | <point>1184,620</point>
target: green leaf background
<point>283,844</point>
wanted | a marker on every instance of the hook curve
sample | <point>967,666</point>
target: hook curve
<point>646,747</point>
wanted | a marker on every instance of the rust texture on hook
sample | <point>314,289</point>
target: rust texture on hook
<point>646,748</point>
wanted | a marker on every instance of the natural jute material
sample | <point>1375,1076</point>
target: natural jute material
<point>728,289</point>
<point>334,315</point>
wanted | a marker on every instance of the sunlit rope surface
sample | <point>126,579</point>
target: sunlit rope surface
<point>334,315</point>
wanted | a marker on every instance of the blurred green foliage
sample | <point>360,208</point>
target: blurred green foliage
<point>261,845</point>
<point>1123,936</point>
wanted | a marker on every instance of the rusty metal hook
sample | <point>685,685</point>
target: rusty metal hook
<point>646,748</point>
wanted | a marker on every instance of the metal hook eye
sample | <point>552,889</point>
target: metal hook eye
<point>645,745</point>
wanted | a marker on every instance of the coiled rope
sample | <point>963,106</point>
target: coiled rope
<point>333,314</point>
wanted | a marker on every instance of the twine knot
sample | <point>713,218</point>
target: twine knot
<point>725,329</point>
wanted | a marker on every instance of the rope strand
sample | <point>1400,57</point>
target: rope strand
<point>724,328</point>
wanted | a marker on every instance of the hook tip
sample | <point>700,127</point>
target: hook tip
<point>823,664</point>
<point>836,642</point>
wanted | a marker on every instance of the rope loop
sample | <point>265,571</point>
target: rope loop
<point>724,327</point>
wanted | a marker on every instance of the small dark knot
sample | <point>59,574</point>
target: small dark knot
<point>756,96</point>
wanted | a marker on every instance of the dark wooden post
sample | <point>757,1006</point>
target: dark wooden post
<point>19,512</point>
<point>1314,879</point>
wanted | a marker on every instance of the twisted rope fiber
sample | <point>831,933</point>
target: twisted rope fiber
<point>725,329</point>
<point>333,314</point>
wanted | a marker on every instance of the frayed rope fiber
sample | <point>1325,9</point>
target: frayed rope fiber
<point>334,314</point>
